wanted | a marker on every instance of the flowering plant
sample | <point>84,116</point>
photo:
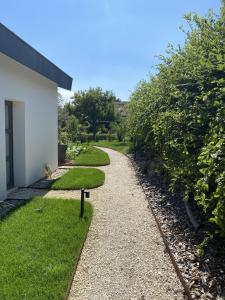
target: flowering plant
<point>73,151</point>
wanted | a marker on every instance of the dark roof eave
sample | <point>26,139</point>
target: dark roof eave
<point>17,49</point>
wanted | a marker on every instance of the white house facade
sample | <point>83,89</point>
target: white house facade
<point>28,112</point>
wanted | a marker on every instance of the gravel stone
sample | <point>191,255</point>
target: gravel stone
<point>204,274</point>
<point>124,256</point>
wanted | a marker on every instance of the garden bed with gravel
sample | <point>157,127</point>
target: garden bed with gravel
<point>204,275</point>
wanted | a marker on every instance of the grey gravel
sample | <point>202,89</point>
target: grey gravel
<point>124,255</point>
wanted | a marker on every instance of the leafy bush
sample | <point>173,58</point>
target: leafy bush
<point>63,137</point>
<point>89,137</point>
<point>73,151</point>
<point>121,130</point>
<point>177,117</point>
<point>72,128</point>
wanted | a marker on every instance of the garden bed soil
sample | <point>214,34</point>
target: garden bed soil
<point>204,275</point>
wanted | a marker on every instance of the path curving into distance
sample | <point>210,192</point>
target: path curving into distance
<point>124,256</point>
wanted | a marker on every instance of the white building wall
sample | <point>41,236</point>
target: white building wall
<point>34,122</point>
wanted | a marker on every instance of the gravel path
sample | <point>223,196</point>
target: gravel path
<point>123,256</point>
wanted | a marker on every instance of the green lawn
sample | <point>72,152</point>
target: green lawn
<point>92,157</point>
<point>39,250</point>
<point>122,147</point>
<point>78,178</point>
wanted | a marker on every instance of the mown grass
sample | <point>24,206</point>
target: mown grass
<point>39,249</point>
<point>78,178</point>
<point>92,157</point>
<point>123,147</point>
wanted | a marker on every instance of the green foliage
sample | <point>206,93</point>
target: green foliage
<point>177,117</point>
<point>93,114</point>
<point>39,250</point>
<point>203,244</point>
<point>74,150</point>
<point>121,130</point>
<point>72,127</point>
<point>63,137</point>
<point>63,115</point>
<point>94,107</point>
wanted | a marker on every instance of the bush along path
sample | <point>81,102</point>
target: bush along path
<point>124,255</point>
<point>177,117</point>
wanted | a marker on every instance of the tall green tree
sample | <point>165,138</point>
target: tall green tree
<point>72,128</point>
<point>95,107</point>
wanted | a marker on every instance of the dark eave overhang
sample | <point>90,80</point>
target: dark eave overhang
<point>15,48</point>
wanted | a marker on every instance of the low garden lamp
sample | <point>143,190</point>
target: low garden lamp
<point>83,195</point>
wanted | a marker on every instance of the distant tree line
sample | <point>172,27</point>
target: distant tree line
<point>91,115</point>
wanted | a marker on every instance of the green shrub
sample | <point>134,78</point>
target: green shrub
<point>177,117</point>
<point>74,150</point>
<point>89,137</point>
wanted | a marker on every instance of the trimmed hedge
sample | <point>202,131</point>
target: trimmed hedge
<point>89,137</point>
<point>178,116</point>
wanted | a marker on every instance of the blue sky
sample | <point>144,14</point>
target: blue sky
<point>107,43</point>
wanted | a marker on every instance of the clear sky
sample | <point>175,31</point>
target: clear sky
<point>107,43</point>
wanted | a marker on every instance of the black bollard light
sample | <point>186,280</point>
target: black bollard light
<point>83,194</point>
